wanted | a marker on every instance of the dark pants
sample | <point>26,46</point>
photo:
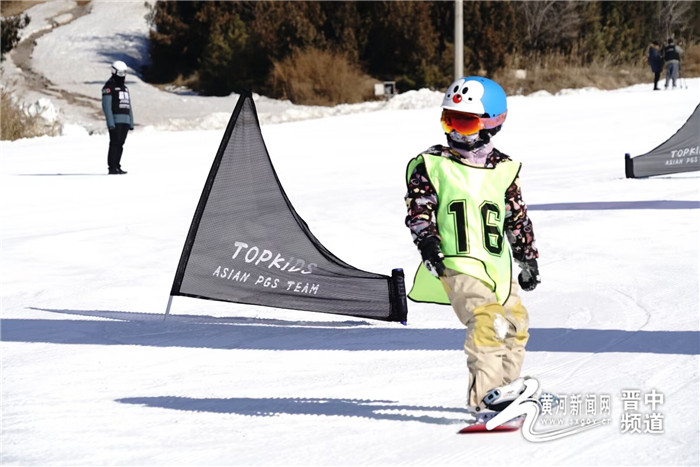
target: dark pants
<point>657,75</point>
<point>117,136</point>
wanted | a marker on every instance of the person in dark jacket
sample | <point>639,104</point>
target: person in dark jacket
<point>656,62</point>
<point>672,57</point>
<point>116,104</point>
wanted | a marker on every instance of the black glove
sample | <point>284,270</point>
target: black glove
<point>432,256</point>
<point>529,277</point>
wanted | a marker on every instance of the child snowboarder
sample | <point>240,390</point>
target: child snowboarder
<point>463,202</point>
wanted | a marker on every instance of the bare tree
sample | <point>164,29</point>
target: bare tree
<point>674,16</point>
<point>549,23</point>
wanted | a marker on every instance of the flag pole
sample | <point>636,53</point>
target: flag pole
<point>167,310</point>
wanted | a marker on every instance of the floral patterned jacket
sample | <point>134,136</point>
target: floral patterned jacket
<point>421,201</point>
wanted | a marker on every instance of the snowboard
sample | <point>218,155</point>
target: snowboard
<point>513,425</point>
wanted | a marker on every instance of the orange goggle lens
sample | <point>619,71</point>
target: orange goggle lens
<point>462,123</point>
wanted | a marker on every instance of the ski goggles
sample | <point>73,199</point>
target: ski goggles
<point>469,124</point>
<point>462,123</point>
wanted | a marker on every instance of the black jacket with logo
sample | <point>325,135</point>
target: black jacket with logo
<point>116,103</point>
<point>671,53</point>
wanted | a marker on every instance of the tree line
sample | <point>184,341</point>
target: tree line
<point>219,47</point>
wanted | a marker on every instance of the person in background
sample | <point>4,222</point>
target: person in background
<point>116,105</point>
<point>656,62</point>
<point>672,57</point>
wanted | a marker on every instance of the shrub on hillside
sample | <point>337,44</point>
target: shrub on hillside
<point>691,61</point>
<point>10,29</point>
<point>320,77</point>
<point>16,122</point>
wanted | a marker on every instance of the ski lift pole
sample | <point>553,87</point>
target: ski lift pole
<point>459,39</point>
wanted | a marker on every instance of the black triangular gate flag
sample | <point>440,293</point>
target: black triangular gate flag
<point>248,245</point>
<point>679,153</point>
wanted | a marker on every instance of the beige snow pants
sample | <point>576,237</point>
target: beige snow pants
<point>496,334</point>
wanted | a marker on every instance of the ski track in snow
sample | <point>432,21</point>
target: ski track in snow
<point>93,375</point>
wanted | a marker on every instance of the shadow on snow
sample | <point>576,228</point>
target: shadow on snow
<point>270,407</point>
<point>123,328</point>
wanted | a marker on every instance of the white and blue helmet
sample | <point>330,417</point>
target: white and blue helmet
<point>479,96</point>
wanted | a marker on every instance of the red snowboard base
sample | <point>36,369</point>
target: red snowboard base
<point>513,425</point>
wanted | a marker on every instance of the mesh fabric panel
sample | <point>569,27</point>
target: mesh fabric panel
<point>248,245</point>
<point>680,153</point>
